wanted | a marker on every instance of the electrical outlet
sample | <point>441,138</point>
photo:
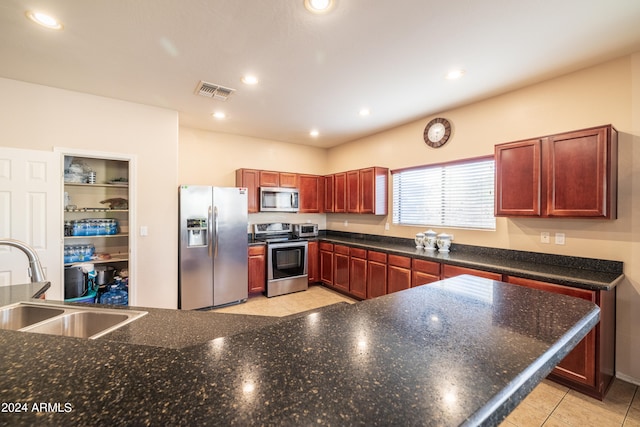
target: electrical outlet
<point>544,237</point>
<point>346,223</point>
<point>559,238</point>
<point>386,226</point>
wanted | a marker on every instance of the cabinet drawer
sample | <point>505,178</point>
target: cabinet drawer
<point>452,270</point>
<point>341,249</point>
<point>358,253</point>
<point>377,256</point>
<point>324,246</point>
<point>587,294</point>
<point>400,261</point>
<point>257,250</point>
<point>429,267</point>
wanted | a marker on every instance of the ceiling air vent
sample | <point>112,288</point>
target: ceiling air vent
<point>214,91</point>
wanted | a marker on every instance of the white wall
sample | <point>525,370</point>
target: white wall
<point>41,118</point>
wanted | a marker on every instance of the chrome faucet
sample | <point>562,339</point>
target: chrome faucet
<point>35,269</point>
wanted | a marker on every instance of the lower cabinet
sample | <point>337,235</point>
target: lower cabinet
<point>341,267</point>
<point>590,366</point>
<point>326,263</point>
<point>358,272</point>
<point>313,261</point>
<point>376,274</point>
<point>257,268</point>
<point>399,273</point>
<point>423,272</point>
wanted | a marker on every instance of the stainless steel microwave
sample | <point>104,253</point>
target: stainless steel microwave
<point>279,199</point>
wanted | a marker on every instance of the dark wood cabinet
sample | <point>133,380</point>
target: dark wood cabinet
<point>358,272</point>
<point>453,270</point>
<point>376,274</point>
<point>313,261</point>
<point>257,268</point>
<point>340,192</point>
<point>423,272</point>
<point>288,179</point>
<point>518,178</point>
<point>373,190</point>
<point>328,192</point>
<point>311,193</point>
<point>341,267</point>
<point>398,273</point>
<point>590,366</point>
<point>353,191</point>
<point>582,173</point>
<point>250,178</point>
<point>570,175</point>
<point>326,263</point>
<point>269,179</point>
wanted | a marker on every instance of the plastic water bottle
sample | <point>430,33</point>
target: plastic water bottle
<point>115,295</point>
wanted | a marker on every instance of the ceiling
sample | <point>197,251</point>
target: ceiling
<point>315,71</point>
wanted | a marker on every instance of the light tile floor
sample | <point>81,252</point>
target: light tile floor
<point>316,296</point>
<point>549,404</point>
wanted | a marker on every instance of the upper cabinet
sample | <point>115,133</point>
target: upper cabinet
<point>569,175</point>
<point>362,191</point>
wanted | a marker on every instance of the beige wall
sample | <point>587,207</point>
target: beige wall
<point>609,93</point>
<point>41,118</point>
<point>210,158</point>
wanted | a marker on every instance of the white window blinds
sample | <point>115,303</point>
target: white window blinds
<point>459,194</point>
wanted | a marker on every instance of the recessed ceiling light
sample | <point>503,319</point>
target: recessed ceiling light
<point>364,112</point>
<point>319,6</point>
<point>455,74</point>
<point>219,115</point>
<point>44,20</point>
<point>314,133</point>
<point>250,80</point>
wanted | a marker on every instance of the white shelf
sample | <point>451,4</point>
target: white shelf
<point>82,184</point>
<point>113,259</point>
<point>97,237</point>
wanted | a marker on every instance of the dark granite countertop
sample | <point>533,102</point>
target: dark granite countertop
<point>577,272</point>
<point>462,351</point>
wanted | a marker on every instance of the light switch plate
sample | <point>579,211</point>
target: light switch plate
<point>544,237</point>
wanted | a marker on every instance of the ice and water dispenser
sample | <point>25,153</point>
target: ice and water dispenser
<point>197,232</point>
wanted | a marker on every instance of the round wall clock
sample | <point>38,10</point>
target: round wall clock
<point>437,132</point>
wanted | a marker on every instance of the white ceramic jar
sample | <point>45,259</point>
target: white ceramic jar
<point>419,239</point>
<point>444,242</point>
<point>430,238</point>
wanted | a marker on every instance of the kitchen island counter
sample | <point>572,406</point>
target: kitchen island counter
<point>461,351</point>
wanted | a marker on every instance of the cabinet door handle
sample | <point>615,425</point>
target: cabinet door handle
<point>215,222</point>
<point>210,230</point>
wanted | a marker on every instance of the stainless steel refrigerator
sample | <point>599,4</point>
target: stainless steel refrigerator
<point>213,261</point>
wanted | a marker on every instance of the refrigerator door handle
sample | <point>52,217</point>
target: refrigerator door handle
<point>210,218</point>
<point>215,222</point>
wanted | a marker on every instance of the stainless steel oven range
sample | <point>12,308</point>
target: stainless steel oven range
<point>286,259</point>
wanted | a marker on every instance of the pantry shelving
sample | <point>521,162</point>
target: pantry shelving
<point>96,213</point>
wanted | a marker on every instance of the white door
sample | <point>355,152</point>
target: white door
<point>30,211</point>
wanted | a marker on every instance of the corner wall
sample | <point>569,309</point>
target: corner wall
<point>41,118</point>
<point>608,93</point>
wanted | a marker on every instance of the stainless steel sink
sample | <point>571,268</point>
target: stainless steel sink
<point>20,316</point>
<point>65,320</point>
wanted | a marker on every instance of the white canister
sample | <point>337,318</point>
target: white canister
<point>419,239</point>
<point>444,242</point>
<point>430,238</point>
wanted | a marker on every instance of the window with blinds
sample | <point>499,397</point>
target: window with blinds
<point>459,194</point>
